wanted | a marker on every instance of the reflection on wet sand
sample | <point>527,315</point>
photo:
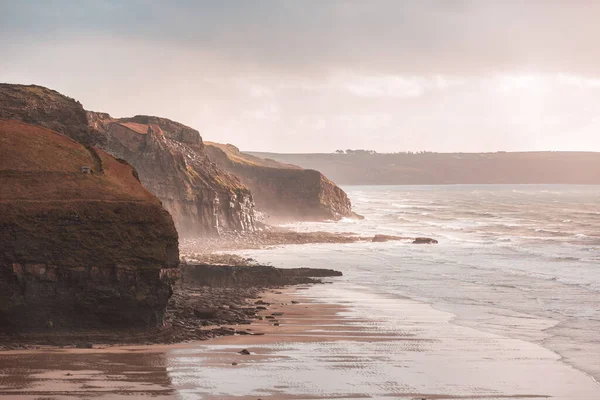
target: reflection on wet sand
<point>61,374</point>
<point>333,341</point>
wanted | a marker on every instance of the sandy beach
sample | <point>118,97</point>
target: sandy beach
<point>332,342</point>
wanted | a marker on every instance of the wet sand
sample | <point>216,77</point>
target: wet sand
<point>334,343</point>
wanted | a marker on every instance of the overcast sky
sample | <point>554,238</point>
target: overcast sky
<point>321,75</point>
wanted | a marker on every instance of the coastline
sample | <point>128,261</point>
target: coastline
<point>330,343</point>
<point>336,329</point>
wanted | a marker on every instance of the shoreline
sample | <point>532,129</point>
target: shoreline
<point>208,301</point>
<point>329,344</point>
<point>325,333</point>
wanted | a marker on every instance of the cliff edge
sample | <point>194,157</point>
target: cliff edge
<point>172,163</point>
<point>169,157</point>
<point>283,191</point>
<point>82,243</point>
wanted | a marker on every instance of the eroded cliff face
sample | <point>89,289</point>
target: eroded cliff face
<point>77,249</point>
<point>169,157</point>
<point>38,105</point>
<point>172,163</point>
<point>283,191</point>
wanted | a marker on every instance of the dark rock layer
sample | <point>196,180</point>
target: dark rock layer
<point>248,276</point>
<point>77,250</point>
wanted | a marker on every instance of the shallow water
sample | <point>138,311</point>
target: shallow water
<point>528,253</point>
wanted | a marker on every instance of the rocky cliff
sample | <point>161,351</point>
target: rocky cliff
<point>172,163</point>
<point>283,191</point>
<point>169,157</point>
<point>82,243</point>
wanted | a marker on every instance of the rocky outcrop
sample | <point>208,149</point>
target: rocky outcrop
<point>82,243</point>
<point>41,106</point>
<point>256,275</point>
<point>283,191</point>
<point>169,157</point>
<point>171,161</point>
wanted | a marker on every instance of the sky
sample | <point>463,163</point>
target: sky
<point>321,75</point>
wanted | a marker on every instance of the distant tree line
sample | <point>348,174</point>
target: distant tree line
<point>362,152</point>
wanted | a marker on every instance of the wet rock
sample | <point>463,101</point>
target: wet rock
<point>205,313</point>
<point>386,238</point>
<point>424,240</point>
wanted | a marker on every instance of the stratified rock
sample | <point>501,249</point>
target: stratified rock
<point>171,161</point>
<point>284,191</point>
<point>169,157</point>
<point>257,275</point>
<point>82,243</point>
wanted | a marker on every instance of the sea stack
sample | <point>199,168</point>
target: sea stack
<point>83,245</point>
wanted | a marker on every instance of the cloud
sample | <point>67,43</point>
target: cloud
<point>313,75</point>
<point>405,37</point>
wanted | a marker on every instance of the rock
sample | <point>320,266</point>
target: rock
<point>277,313</point>
<point>424,240</point>
<point>244,352</point>
<point>276,324</point>
<point>283,191</point>
<point>244,276</point>
<point>205,313</point>
<point>262,303</point>
<point>386,238</point>
<point>170,158</point>
<point>84,251</point>
<point>261,308</point>
<point>295,302</point>
<point>84,346</point>
<point>269,317</point>
<point>234,363</point>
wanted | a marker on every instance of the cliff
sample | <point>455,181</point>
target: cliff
<point>169,157</point>
<point>283,191</point>
<point>172,163</point>
<point>82,243</point>
<point>364,168</point>
<point>45,107</point>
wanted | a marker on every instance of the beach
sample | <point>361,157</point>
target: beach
<point>332,342</point>
<point>476,316</point>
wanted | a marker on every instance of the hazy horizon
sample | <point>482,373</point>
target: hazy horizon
<point>315,76</point>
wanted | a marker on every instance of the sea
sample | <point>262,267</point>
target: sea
<point>517,261</point>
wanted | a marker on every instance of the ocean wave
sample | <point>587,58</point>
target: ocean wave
<point>551,232</point>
